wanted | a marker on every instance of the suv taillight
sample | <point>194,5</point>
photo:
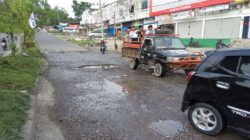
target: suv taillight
<point>190,75</point>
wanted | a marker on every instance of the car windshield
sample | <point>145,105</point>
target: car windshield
<point>168,42</point>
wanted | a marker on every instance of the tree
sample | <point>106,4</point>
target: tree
<point>79,8</point>
<point>14,18</point>
<point>48,16</point>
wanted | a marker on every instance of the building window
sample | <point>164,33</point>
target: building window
<point>121,12</point>
<point>144,4</point>
<point>132,9</point>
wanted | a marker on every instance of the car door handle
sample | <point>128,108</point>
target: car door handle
<point>222,85</point>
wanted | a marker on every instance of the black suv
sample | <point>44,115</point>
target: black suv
<point>218,93</point>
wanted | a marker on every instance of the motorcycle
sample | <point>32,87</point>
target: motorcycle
<point>103,49</point>
<point>4,45</point>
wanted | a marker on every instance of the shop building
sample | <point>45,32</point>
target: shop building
<point>206,21</point>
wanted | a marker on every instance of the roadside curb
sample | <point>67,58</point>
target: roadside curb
<point>28,129</point>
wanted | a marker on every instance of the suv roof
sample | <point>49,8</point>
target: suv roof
<point>162,35</point>
<point>217,55</point>
<point>235,50</point>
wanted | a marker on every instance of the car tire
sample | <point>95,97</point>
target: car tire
<point>159,70</point>
<point>133,63</point>
<point>206,119</point>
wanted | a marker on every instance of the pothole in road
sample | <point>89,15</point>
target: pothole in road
<point>167,128</point>
<point>102,66</point>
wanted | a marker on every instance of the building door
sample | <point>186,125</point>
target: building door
<point>245,34</point>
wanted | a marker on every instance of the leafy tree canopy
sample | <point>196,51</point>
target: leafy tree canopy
<point>79,8</point>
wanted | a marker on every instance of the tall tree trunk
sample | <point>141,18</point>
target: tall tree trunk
<point>12,43</point>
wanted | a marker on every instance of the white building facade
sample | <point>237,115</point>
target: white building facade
<point>206,19</point>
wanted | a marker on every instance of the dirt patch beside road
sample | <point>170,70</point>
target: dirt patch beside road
<point>45,128</point>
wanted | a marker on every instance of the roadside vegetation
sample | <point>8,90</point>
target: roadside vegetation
<point>84,43</point>
<point>17,77</point>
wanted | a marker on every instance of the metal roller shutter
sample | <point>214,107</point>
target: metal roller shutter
<point>222,28</point>
<point>196,29</point>
<point>190,29</point>
<point>213,29</point>
<point>231,27</point>
<point>183,30</point>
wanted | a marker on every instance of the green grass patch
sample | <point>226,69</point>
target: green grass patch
<point>83,42</point>
<point>17,73</point>
<point>13,107</point>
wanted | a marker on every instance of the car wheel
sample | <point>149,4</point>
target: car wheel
<point>133,64</point>
<point>159,70</point>
<point>206,119</point>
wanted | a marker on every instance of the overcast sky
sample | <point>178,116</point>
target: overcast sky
<point>66,4</point>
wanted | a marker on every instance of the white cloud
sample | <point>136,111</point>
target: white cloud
<point>66,4</point>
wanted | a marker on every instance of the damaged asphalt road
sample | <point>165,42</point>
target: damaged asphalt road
<point>97,97</point>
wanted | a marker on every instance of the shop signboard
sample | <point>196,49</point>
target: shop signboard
<point>163,19</point>
<point>160,7</point>
<point>214,8</point>
<point>183,15</point>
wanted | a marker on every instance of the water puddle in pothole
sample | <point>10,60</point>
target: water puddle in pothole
<point>100,95</point>
<point>102,66</point>
<point>167,128</point>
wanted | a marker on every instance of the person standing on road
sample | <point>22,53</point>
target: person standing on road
<point>4,44</point>
<point>220,45</point>
<point>150,30</point>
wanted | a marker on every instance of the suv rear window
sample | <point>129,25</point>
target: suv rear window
<point>245,66</point>
<point>230,63</point>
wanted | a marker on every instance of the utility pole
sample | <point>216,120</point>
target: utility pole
<point>116,47</point>
<point>58,15</point>
<point>100,2</point>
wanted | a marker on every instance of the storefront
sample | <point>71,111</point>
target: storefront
<point>165,23</point>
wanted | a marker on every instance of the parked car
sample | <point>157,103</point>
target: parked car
<point>218,93</point>
<point>70,30</point>
<point>97,33</point>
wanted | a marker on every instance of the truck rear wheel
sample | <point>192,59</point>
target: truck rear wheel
<point>133,63</point>
<point>159,70</point>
